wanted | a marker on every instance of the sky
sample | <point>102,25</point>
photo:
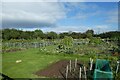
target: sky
<point>60,16</point>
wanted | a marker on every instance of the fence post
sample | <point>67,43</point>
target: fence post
<point>75,63</point>
<point>80,74</point>
<point>66,72</point>
<point>85,73</point>
<point>91,64</point>
<point>70,65</point>
<point>117,67</point>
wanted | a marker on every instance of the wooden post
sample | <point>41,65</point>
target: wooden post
<point>70,65</point>
<point>85,73</point>
<point>91,64</point>
<point>80,74</point>
<point>66,72</point>
<point>75,63</point>
<point>35,45</point>
<point>117,67</point>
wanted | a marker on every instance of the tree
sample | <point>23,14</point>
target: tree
<point>67,41</point>
<point>96,40</point>
<point>6,34</point>
<point>38,34</point>
<point>25,35</point>
<point>52,35</point>
<point>14,34</point>
<point>89,33</point>
<point>62,35</point>
<point>67,44</point>
<point>111,34</point>
<point>75,35</point>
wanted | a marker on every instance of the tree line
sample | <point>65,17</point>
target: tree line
<point>8,34</point>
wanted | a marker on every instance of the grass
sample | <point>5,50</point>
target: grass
<point>35,59</point>
<point>32,61</point>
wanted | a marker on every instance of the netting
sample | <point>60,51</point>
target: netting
<point>102,70</point>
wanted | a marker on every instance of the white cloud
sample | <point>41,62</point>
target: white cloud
<point>47,13</point>
<point>82,8</point>
<point>112,16</point>
<point>19,14</point>
<point>42,12</point>
<point>97,29</point>
<point>103,28</point>
<point>66,29</point>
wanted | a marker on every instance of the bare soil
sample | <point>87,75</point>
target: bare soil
<point>56,70</point>
<point>12,50</point>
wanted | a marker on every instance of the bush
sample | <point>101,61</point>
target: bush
<point>117,77</point>
<point>96,40</point>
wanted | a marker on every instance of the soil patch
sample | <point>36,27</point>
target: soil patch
<point>56,70</point>
<point>12,50</point>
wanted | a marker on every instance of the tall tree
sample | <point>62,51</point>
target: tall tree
<point>52,35</point>
<point>6,34</point>
<point>38,34</point>
<point>89,33</point>
<point>62,35</point>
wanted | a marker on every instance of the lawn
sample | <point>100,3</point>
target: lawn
<point>32,61</point>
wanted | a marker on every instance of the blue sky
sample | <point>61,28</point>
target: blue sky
<point>91,15</point>
<point>61,16</point>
